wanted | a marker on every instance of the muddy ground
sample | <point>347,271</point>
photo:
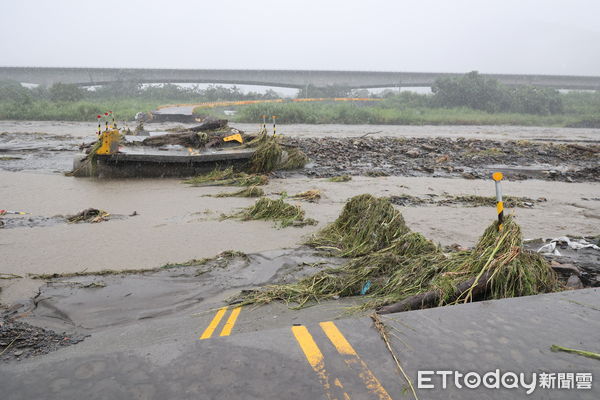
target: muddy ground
<point>467,158</point>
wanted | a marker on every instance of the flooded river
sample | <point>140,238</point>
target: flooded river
<point>49,146</point>
<point>83,129</point>
<point>165,221</point>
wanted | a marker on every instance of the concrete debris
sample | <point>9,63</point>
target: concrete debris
<point>567,269</point>
<point>574,282</point>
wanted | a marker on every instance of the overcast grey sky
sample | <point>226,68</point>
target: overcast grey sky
<point>495,36</point>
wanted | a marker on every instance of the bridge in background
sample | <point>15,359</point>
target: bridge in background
<point>278,78</point>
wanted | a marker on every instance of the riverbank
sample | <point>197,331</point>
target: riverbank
<point>382,113</point>
<point>386,114</point>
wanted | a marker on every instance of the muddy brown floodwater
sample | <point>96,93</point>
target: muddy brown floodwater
<point>175,223</point>
<point>553,134</point>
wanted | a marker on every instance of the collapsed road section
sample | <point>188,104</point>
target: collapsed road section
<point>185,152</point>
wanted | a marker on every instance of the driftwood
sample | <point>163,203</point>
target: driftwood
<point>431,298</point>
<point>210,125</point>
<point>185,139</point>
<point>88,215</point>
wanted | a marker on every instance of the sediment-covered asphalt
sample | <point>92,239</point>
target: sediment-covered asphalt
<point>314,356</point>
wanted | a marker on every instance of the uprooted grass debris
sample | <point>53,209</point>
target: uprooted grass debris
<point>382,329</point>
<point>251,191</point>
<point>585,353</point>
<point>91,215</point>
<point>267,156</point>
<point>221,259</point>
<point>275,210</point>
<point>9,276</point>
<point>312,195</point>
<point>103,272</point>
<point>271,154</point>
<point>366,224</point>
<point>392,263</point>
<point>340,178</point>
<point>90,160</point>
<point>228,177</point>
<point>293,158</point>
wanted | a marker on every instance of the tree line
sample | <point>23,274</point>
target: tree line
<point>470,90</point>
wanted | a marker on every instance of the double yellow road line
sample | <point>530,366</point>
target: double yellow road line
<point>315,358</point>
<point>333,386</point>
<point>226,331</point>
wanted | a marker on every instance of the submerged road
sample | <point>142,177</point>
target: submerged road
<point>342,359</point>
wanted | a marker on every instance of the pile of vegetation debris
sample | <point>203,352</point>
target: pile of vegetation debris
<point>340,178</point>
<point>271,154</point>
<point>90,215</point>
<point>397,269</point>
<point>283,213</point>
<point>228,177</point>
<point>250,191</point>
<point>221,260</point>
<point>312,196</point>
<point>209,134</point>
